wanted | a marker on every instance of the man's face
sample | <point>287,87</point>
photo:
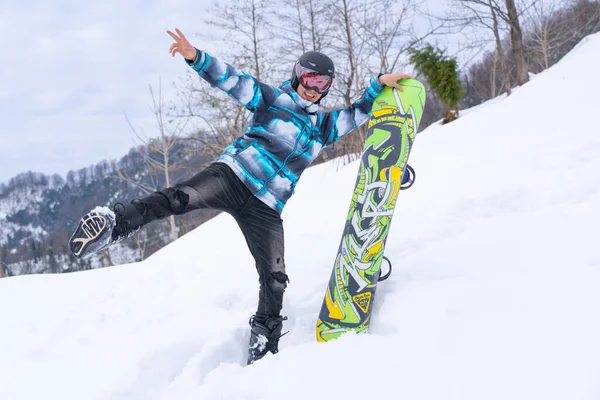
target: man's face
<point>308,94</point>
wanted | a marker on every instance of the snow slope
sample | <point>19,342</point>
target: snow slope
<point>494,295</point>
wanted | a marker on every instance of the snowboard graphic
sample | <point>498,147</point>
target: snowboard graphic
<point>392,128</point>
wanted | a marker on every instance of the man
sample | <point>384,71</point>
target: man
<point>254,177</point>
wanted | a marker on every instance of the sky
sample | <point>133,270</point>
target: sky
<point>494,292</point>
<point>71,71</point>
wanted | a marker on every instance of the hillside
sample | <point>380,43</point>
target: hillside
<point>494,293</point>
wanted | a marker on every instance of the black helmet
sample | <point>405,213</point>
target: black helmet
<point>317,62</point>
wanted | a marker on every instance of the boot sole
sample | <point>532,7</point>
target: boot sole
<point>91,235</point>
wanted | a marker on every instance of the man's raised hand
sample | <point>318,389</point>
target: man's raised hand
<point>392,80</point>
<point>182,46</point>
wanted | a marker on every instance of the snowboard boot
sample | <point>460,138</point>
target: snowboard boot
<point>103,227</point>
<point>264,336</point>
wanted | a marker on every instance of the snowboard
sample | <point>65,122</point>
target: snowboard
<point>392,127</point>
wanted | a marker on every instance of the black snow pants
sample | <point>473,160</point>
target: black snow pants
<point>217,187</point>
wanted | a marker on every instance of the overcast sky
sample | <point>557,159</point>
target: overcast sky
<point>70,70</point>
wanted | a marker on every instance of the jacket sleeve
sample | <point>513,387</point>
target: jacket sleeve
<point>337,123</point>
<point>245,89</point>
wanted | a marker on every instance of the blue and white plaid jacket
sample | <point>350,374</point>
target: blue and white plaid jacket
<point>286,132</point>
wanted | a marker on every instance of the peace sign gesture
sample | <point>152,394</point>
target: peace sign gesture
<point>182,46</point>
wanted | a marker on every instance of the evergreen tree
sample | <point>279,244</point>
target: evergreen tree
<point>442,75</point>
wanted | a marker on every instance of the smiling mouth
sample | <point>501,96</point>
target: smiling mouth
<point>309,97</point>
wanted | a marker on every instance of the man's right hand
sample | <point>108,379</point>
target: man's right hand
<point>182,46</point>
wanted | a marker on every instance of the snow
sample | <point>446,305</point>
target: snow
<point>494,292</point>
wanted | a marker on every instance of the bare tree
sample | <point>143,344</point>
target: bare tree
<point>391,37</point>
<point>499,54</point>
<point>543,31</point>
<point>301,26</point>
<point>221,120</point>
<point>157,151</point>
<point>106,256</point>
<point>552,26</point>
<point>352,20</point>
<point>245,22</point>
<point>516,36</point>
<point>141,241</point>
<point>473,17</point>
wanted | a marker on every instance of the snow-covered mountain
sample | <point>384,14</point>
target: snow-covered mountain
<point>38,213</point>
<point>25,196</point>
<point>494,293</point>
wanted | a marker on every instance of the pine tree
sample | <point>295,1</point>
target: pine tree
<point>442,75</point>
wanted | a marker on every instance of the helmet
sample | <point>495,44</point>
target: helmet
<point>319,70</point>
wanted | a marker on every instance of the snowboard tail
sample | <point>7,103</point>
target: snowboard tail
<point>392,127</point>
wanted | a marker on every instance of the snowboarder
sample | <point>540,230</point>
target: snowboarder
<point>254,177</point>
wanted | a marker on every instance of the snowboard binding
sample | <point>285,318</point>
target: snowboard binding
<point>408,179</point>
<point>265,333</point>
<point>381,277</point>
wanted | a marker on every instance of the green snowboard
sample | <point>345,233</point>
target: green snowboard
<point>392,128</point>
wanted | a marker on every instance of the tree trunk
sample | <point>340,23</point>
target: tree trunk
<point>106,256</point>
<point>500,53</point>
<point>350,54</point>
<point>516,38</point>
<point>255,41</point>
<point>167,170</point>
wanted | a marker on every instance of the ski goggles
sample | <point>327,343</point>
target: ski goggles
<point>312,79</point>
